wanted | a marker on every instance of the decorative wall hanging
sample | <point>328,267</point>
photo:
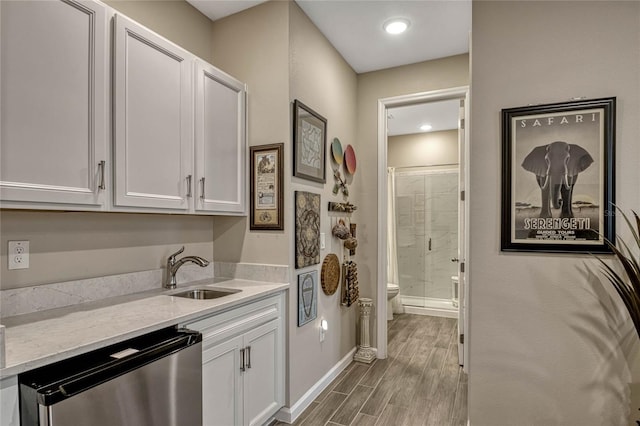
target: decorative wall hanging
<point>557,177</point>
<point>350,244</point>
<point>352,228</point>
<point>307,297</point>
<point>350,160</point>
<point>330,274</point>
<point>309,142</point>
<point>337,156</point>
<point>336,151</point>
<point>340,230</point>
<point>267,202</point>
<point>342,207</point>
<point>307,229</point>
<point>350,290</point>
<point>340,185</point>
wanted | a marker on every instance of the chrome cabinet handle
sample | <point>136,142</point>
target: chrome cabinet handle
<point>429,244</point>
<point>248,356</point>
<point>101,165</point>
<point>189,186</point>
<point>202,188</point>
<point>242,360</point>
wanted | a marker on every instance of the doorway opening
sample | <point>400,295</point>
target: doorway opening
<point>422,209</point>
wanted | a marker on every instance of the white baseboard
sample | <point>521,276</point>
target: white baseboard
<point>290,414</point>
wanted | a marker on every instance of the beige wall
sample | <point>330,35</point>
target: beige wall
<point>253,46</point>
<point>423,149</point>
<point>281,56</point>
<point>68,246</point>
<point>72,245</point>
<point>422,77</point>
<point>322,80</point>
<point>175,20</point>
<point>546,348</point>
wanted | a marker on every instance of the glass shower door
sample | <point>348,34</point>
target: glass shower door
<point>426,233</point>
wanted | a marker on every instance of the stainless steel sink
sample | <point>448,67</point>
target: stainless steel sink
<point>205,293</point>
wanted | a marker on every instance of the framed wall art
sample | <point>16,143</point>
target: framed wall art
<point>558,177</point>
<point>307,297</point>
<point>267,188</point>
<point>307,229</point>
<point>309,143</point>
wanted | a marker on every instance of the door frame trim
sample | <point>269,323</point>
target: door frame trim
<point>461,92</point>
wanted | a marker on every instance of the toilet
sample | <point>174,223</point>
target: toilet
<point>392,291</point>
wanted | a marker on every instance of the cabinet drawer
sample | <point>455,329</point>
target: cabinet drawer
<point>236,321</point>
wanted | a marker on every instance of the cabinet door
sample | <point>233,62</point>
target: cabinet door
<point>263,377</point>
<point>53,103</point>
<point>153,119</point>
<point>220,141</point>
<point>222,383</point>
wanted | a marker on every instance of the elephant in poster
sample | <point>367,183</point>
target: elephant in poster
<point>556,167</point>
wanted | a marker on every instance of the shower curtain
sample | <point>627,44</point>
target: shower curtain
<point>392,248</point>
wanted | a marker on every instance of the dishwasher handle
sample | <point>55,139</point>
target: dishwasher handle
<point>118,367</point>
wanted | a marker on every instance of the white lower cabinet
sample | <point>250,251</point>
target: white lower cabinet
<point>243,363</point>
<point>222,383</point>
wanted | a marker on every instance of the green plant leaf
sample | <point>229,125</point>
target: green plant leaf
<point>627,285</point>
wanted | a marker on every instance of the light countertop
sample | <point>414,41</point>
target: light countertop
<point>37,339</point>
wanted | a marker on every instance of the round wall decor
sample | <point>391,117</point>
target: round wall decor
<point>336,151</point>
<point>350,159</point>
<point>330,274</point>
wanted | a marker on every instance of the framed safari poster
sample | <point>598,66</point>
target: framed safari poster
<point>558,177</point>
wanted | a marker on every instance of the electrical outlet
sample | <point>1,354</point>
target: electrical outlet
<point>323,243</point>
<point>18,255</point>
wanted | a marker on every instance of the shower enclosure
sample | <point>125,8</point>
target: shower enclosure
<point>426,228</point>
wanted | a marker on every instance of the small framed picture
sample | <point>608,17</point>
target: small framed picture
<point>309,143</point>
<point>307,297</point>
<point>558,177</point>
<point>266,204</point>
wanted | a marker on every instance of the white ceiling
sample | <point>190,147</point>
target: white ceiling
<point>354,27</point>
<point>442,115</point>
<point>439,28</point>
<point>217,9</point>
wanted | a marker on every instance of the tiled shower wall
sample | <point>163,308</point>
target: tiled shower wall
<point>427,210</point>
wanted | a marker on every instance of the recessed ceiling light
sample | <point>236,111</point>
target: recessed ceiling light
<point>426,127</point>
<point>396,26</point>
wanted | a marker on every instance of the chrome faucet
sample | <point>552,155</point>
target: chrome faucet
<point>173,265</point>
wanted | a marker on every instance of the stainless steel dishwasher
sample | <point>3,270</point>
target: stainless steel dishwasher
<point>153,380</point>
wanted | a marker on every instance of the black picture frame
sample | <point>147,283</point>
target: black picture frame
<point>564,150</point>
<point>266,187</point>
<point>309,143</point>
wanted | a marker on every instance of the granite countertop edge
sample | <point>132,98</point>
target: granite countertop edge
<point>33,340</point>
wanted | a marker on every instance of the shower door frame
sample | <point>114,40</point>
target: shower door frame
<point>424,171</point>
<point>461,93</point>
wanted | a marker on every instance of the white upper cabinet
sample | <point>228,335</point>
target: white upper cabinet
<point>113,117</point>
<point>220,145</point>
<point>53,144</point>
<point>153,119</point>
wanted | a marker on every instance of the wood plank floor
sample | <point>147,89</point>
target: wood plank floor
<point>420,383</point>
